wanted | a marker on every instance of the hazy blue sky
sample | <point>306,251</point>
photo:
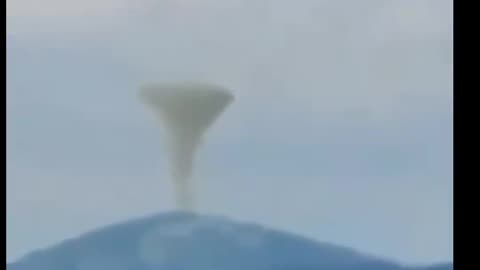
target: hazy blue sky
<point>341,129</point>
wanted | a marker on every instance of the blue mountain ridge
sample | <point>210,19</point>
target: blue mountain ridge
<point>183,241</point>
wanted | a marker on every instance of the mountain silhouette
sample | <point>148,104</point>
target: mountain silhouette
<point>183,241</point>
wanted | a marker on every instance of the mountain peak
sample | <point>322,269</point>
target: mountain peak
<point>182,240</point>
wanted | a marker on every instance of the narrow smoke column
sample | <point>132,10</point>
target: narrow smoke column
<point>186,110</point>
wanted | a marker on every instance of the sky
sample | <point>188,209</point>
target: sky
<point>341,129</point>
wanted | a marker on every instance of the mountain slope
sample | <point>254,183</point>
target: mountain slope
<point>186,241</point>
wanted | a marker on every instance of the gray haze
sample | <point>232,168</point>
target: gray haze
<point>343,106</point>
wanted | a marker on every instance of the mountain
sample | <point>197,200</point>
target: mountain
<point>183,241</point>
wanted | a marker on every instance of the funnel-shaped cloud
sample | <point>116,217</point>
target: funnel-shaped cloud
<point>187,110</point>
